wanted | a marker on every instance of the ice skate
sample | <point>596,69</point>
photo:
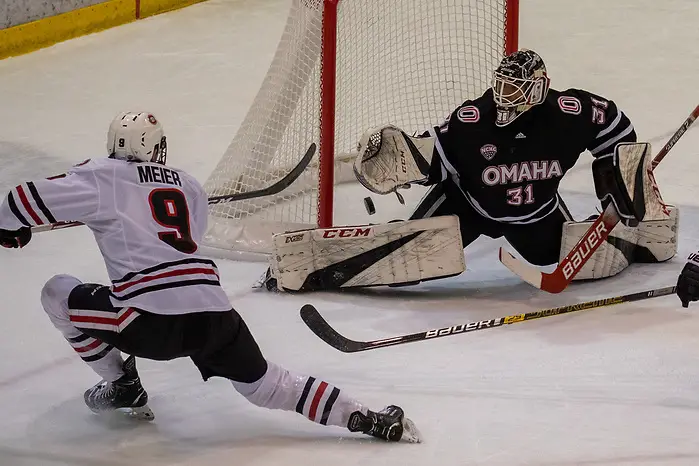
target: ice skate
<point>126,394</point>
<point>388,424</point>
<point>266,281</point>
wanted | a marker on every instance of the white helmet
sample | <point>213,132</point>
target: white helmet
<point>137,136</point>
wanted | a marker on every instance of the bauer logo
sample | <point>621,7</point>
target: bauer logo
<point>152,120</point>
<point>488,151</point>
<point>355,232</point>
<point>463,328</point>
<point>583,250</point>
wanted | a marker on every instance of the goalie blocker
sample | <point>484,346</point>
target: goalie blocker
<point>648,229</point>
<point>397,253</point>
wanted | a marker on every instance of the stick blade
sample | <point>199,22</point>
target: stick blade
<point>318,325</point>
<point>550,282</point>
<point>526,272</point>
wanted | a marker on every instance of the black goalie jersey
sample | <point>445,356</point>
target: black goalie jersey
<point>511,174</point>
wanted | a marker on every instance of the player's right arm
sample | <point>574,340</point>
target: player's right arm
<point>73,196</point>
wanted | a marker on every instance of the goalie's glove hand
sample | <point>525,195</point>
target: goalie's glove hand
<point>15,238</point>
<point>688,281</point>
<point>389,159</point>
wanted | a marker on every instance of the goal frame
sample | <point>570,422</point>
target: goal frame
<point>328,69</point>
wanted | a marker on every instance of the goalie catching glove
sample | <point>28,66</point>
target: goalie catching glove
<point>389,159</point>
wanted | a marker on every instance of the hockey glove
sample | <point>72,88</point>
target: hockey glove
<point>389,159</point>
<point>688,281</point>
<point>15,238</point>
<point>626,179</point>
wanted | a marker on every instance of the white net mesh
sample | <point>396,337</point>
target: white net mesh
<point>404,62</point>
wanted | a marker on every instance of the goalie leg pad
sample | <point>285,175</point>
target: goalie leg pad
<point>652,241</point>
<point>368,255</point>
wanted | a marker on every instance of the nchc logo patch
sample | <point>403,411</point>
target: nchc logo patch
<point>488,151</point>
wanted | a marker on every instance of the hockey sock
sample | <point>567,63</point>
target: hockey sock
<point>104,359</point>
<point>313,398</point>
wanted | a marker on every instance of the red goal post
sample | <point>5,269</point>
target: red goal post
<point>341,67</point>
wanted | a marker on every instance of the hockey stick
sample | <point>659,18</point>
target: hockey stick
<point>325,332</point>
<point>276,188</point>
<point>573,262</point>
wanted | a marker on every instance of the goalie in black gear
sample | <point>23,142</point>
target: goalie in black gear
<point>496,164</point>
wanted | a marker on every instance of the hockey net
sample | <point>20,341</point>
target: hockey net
<point>342,67</point>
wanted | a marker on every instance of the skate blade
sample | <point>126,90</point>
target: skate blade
<point>410,433</point>
<point>260,282</point>
<point>142,413</point>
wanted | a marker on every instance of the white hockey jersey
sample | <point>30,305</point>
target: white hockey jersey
<point>147,220</point>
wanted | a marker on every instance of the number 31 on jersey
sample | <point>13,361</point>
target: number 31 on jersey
<point>521,195</point>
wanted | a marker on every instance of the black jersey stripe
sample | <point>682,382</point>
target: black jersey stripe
<point>164,286</point>
<point>40,202</point>
<point>15,210</point>
<point>164,265</point>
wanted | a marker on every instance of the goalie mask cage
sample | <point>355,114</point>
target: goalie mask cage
<point>342,67</point>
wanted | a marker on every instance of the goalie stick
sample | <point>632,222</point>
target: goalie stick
<point>275,188</point>
<point>573,262</point>
<point>319,326</point>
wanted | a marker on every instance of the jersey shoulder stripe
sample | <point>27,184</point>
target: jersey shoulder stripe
<point>40,202</point>
<point>28,206</point>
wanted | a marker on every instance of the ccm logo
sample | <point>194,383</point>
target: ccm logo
<point>293,238</point>
<point>586,248</point>
<point>347,232</point>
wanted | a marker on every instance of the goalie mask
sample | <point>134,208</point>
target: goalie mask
<point>137,137</point>
<point>519,83</point>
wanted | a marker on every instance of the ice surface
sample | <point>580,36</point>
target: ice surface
<point>614,386</point>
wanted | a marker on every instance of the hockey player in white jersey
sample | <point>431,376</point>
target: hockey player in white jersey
<point>165,301</point>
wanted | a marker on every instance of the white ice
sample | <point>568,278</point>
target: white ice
<point>613,386</point>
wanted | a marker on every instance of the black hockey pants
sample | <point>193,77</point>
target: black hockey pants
<point>539,242</point>
<point>219,343</point>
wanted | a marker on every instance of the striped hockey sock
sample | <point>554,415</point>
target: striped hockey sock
<point>313,398</point>
<point>104,359</point>
<point>317,400</point>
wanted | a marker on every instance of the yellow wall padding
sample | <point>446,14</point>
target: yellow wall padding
<point>44,32</point>
<point>154,7</point>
